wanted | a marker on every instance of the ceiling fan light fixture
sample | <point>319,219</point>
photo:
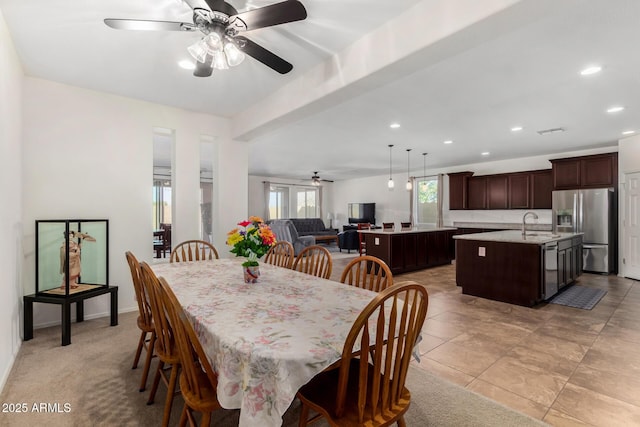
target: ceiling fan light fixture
<point>198,51</point>
<point>233,54</point>
<point>219,61</point>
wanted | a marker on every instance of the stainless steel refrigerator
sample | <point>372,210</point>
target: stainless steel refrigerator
<point>591,212</point>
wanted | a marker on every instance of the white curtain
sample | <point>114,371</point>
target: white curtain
<point>440,199</point>
<point>267,194</point>
<point>320,202</point>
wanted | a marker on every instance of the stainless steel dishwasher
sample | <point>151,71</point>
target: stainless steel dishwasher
<point>550,273</point>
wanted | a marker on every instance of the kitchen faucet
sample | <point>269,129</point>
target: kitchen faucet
<point>524,221</point>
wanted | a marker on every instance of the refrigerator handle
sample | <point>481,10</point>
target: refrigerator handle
<point>580,212</point>
<point>575,218</point>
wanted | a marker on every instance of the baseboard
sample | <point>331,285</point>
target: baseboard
<point>5,374</point>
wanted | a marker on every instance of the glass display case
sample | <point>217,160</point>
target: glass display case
<point>72,256</point>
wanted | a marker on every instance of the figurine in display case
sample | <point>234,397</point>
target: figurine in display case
<point>77,264</point>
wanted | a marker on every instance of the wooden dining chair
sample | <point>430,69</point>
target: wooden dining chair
<point>368,387</point>
<point>145,319</point>
<point>165,343</point>
<point>280,254</point>
<point>193,250</point>
<point>314,260</point>
<point>362,247</point>
<point>388,225</point>
<point>198,380</point>
<point>367,272</point>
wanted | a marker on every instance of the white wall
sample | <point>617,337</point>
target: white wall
<point>11,76</point>
<point>89,155</point>
<point>628,162</point>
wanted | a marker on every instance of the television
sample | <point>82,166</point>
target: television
<point>361,212</point>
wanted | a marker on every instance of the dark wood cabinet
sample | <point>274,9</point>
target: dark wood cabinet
<point>518,190</point>
<point>458,190</point>
<point>477,192</point>
<point>599,170</point>
<point>569,261</point>
<point>541,189</point>
<point>519,194</point>
<point>497,192</point>
<point>414,250</point>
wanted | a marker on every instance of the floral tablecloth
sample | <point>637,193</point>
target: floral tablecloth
<point>265,340</point>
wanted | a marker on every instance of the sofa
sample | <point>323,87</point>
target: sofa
<point>312,227</point>
<point>285,230</point>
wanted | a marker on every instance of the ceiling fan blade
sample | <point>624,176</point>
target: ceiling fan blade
<point>263,55</point>
<point>148,25</point>
<point>203,70</point>
<point>275,14</point>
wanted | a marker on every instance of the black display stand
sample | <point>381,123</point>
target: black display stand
<point>65,304</point>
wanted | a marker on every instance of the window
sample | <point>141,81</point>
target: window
<point>161,203</point>
<point>278,202</point>
<point>293,201</point>
<point>306,203</point>
<point>426,200</point>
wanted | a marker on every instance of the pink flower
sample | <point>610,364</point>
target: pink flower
<point>244,223</point>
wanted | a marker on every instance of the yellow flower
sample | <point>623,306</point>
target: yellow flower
<point>234,238</point>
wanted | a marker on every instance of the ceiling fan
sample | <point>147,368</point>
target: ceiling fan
<point>222,45</point>
<point>315,179</point>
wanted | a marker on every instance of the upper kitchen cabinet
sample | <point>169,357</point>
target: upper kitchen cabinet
<point>458,190</point>
<point>541,189</point>
<point>519,194</point>
<point>477,192</point>
<point>497,192</point>
<point>599,170</point>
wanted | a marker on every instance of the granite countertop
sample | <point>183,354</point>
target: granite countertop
<point>515,236</point>
<point>411,230</point>
<point>503,225</point>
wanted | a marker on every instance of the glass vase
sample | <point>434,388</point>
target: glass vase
<point>251,274</point>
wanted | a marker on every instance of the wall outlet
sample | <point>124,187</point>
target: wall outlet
<point>377,241</point>
<point>482,251</point>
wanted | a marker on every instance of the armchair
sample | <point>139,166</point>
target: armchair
<point>285,230</point>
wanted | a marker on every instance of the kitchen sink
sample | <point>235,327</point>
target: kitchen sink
<point>543,234</point>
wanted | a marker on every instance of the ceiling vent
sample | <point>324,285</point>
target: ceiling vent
<point>548,131</point>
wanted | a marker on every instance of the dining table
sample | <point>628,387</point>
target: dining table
<point>264,340</point>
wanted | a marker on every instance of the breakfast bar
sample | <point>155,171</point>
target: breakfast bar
<point>413,249</point>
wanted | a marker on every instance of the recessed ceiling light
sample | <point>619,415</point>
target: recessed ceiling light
<point>485,153</point>
<point>516,128</point>
<point>594,69</point>
<point>448,142</point>
<point>394,125</point>
<point>615,109</point>
<point>187,65</point>
<point>628,132</point>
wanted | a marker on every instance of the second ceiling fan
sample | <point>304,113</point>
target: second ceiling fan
<point>222,45</point>
<point>315,179</point>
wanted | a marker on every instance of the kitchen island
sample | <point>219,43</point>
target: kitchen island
<point>413,249</point>
<point>518,269</point>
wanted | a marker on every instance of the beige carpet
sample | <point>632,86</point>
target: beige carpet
<point>90,383</point>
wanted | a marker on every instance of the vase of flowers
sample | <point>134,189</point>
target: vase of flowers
<point>251,240</point>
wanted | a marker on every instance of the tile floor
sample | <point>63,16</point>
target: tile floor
<point>563,365</point>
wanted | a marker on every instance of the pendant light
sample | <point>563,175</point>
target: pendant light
<point>409,185</point>
<point>390,183</point>
<point>424,170</point>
